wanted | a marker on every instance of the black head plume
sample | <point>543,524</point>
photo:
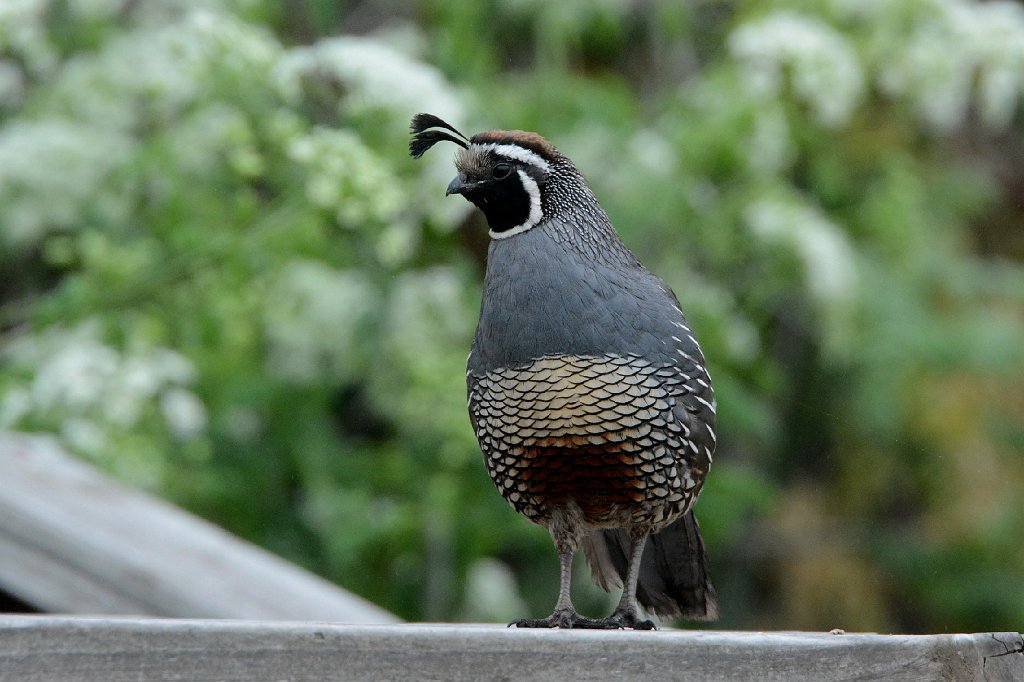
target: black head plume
<point>423,137</point>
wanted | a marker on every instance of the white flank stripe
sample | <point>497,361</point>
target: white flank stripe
<point>530,185</point>
<point>710,406</point>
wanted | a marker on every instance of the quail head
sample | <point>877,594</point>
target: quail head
<point>588,391</point>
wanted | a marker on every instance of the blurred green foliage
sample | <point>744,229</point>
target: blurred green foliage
<point>224,280</point>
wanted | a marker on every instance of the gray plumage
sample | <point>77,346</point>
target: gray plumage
<point>588,391</point>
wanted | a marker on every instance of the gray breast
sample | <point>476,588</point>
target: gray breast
<point>543,297</point>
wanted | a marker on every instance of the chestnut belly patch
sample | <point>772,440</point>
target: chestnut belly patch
<point>596,431</point>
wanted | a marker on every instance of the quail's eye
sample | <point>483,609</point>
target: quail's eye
<point>501,171</point>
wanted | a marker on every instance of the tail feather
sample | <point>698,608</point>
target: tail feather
<point>673,580</point>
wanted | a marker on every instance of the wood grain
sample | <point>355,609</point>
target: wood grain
<point>35,648</point>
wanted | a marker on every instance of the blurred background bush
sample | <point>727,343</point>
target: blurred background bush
<point>224,280</point>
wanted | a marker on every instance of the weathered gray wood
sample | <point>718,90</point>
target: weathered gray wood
<point>38,648</point>
<point>74,541</point>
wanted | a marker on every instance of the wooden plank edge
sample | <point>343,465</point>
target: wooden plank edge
<point>37,648</point>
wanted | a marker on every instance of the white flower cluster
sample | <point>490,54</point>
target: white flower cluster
<point>210,134</point>
<point>954,52</point>
<point>770,145</point>
<point>828,259</point>
<point>48,171</point>
<point>54,171</point>
<point>88,391</point>
<point>374,75</point>
<point>23,33</point>
<point>823,67</point>
<point>151,75</point>
<point>345,177</point>
<point>313,318</point>
<point>941,55</point>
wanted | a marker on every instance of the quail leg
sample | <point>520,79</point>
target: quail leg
<point>565,615</point>
<point>626,614</point>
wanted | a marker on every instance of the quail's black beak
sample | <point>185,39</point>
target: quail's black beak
<point>457,185</point>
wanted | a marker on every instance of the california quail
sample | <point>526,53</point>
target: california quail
<point>587,389</point>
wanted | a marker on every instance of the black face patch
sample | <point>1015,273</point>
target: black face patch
<point>505,202</point>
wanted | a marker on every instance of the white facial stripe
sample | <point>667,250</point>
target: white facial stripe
<point>517,153</point>
<point>530,185</point>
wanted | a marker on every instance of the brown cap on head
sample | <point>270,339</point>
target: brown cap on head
<point>522,138</point>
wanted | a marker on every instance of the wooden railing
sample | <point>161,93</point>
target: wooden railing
<point>53,649</point>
